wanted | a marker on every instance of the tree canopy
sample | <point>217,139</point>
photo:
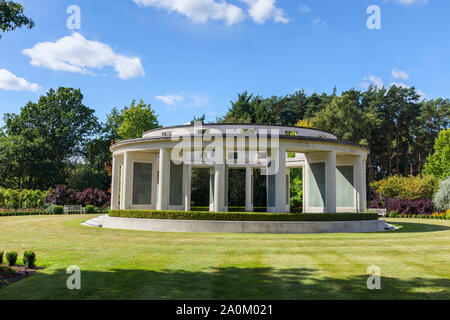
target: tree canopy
<point>438,163</point>
<point>136,119</point>
<point>12,16</point>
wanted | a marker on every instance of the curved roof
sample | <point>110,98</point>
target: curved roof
<point>285,137</point>
<point>238,128</point>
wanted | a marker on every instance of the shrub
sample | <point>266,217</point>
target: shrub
<point>411,188</point>
<point>441,198</point>
<point>61,195</point>
<point>32,199</point>
<point>94,197</point>
<point>58,210</point>
<point>11,257</point>
<point>393,214</point>
<point>241,216</point>
<point>11,199</point>
<point>89,209</point>
<point>1,256</point>
<point>29,259</point>
<point>23,213</point>
<point>403,206</point>
<point>23,199</point>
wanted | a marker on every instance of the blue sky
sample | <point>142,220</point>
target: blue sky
<point>189,57</point>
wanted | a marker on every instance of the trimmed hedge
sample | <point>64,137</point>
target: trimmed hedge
<point>39,213</point>
<point>419,216</point>
<point>240,216</point>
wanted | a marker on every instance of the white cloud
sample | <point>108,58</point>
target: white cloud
<point>76,54</point>
<point>170,99</point>
<point>304,8</point>
<point>372,80</point>
<point>402,85</point>
<point>199,101</point>
<point>262,10</point>
<point>318,22</point>
<point>408,3</point>
<point>399,74</point>
<point>199,11</point>
<point>9,81</point>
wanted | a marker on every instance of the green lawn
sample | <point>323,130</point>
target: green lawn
<point>121,264</point>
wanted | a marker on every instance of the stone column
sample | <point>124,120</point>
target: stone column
<point>330,182</point>
<point>115,174</point>
<point>363,200</point>
<point>211,189</point>
<point>219,187</point>
<point>162,202</point>
<point>248,189</point>
<point>126,181</point>
<point>358,182</point>
<point>280,180</point>
<point>187,187</point>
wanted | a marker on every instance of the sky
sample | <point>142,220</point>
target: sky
<point>192,57</point>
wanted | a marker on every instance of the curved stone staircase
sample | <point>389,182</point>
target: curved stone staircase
<point>95,222</point>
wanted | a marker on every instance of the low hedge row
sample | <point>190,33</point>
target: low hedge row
<point>240,216</point>
<point>40,213</point>
<point>419,216</point>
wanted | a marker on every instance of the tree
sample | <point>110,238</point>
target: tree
<point>438,164</point>
<point>344,118</point>
<point>442,197</point>
<point>12,17</point>
<point>23,163</point>
<point>59,126</point>
<point>137,119</point>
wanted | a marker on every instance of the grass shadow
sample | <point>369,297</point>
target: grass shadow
<point>222,283</point>
<point>416,227</point>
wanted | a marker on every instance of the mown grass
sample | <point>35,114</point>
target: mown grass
<point>122,264</point>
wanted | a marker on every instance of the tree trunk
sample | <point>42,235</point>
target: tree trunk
<point>389,153</point>
<point>397,142</point>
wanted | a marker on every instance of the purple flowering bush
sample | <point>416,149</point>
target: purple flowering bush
<point>403,206</point>
<point>94,197</point>
<point>61,195</point>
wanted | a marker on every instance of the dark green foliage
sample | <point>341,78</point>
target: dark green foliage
<point>58,210</point>
<point>1,256</point>
<point>43,137</point>
<point>200,186</point>
<point>240,216</point>
<point>89,209</point>
<point>11,258</point>
<point>393,214</point>
<point>29,259</point>
<point>12,17</point>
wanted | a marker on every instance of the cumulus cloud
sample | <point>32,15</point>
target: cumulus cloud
<point>199,101</point>
<point>199,11</point>
<point>262,10</point>
<point>318,22</point>
<point>408,3</point>
<point>372,80</point>
<point>399,74</point>
<point>170,99</point>
<point>9,81</point>
<point>74,53</point>
<point>304,8</point>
